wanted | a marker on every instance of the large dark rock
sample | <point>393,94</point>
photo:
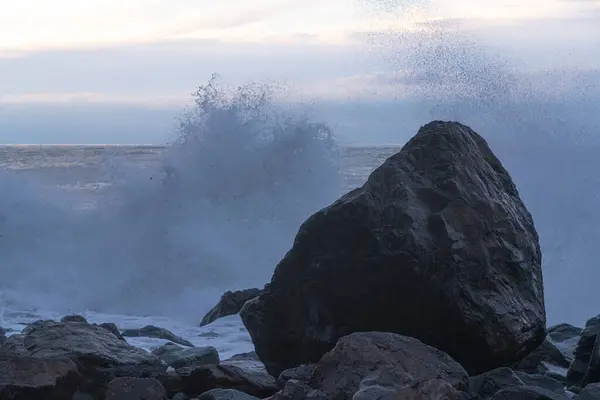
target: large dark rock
<point>26,378</point>
<point>230,303</point>
<point>2,336</point>
<point>99,355</point>
<point>436,245</point>
<point>158,333</point>
<point>584,368</point>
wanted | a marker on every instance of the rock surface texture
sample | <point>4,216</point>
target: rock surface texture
<point>230,303</point>
<point>436,245</point>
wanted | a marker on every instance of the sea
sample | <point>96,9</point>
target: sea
<point>77,177</point>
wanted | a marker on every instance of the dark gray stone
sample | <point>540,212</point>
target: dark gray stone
<point>579,368</point>
<point>197,380</point>
<point>100,357</point>
<point>230,303</point>
<point>590,392</point>
<point>74,318</point>
<point>225,394</point>
<point>156,332</point>
<point>436,245</point>
<point>27,378</point>
<point>135,389</point>
<point>301,373</point>
<point>111,327</point>
<point>178,357</point>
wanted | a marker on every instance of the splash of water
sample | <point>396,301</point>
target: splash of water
<point>542,123</point>
<point>218,213</point>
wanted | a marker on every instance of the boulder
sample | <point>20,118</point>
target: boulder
<point>383,359</point>
<point>583,368</point>
<point>489,384</point>
<point>302,373</point>
<point>436,245</point>
<point>197,380</point>
<point>230,303</point>
<point>178,357</point>
<point>74,318</point>
<point>135,389</point>
<point>158,333</point>
<point>111,327</point>
<point>590,392</point>
<point>98,354</point>
<point>25,378</point>
<point>527,393</point>
<point>2,336</point>
<point>225,394</point>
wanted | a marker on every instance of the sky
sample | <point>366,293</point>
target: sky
<point>109,71</point>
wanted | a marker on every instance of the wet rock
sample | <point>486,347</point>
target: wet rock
<point>158,333</point>
<point>382,359</point>
<point>230,303</point>
<point>111,327</point>
<point>135,389</point>
<point>178,357</point>
<point>428,389</point>
<point>100,357</point>
<point>590,392</point>
<point>198,380</point>
<point>436,245</point>
<point>527,393</point>
<point>298,390</point>
<point>489,384</point>
<point>25,378</point>
<point>301,373</point>
<point>74,318</point>
<point>225,394</point>
<point>583,368</point>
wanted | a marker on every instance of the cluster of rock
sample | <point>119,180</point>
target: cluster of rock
<point>425,283</point>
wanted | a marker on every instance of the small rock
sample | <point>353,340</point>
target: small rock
<point>26,378</point>
<point>489,384</point>
<point>230,303</point>
<point>298,390</point>
<point>590,392</point>
<point>527,393</point>
<point>198,380</point>
<point>180,396</point>
<point>111,327</point>
<point>135,389</point>
<point>579,368</point>
<point>74,318</point>
<point>178,357</point>
<point>158,333</point>
<point>302,373</point>
<point>225,394</point>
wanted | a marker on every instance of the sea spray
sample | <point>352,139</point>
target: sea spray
<point>217,212</point>
<point>539,117</point>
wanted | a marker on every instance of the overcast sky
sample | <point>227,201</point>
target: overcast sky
<point>108,71</point>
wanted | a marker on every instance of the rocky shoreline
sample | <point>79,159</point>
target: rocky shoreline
<point>425,283</point>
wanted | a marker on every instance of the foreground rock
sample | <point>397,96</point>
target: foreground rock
<point>437,245</point>
<point>2,336</point>
<point>178,357</point>
<point>99,355</point>
<point>195,381</point>
<point>135,389</point>
<point>231,303</point>
<point>505,382</point>
<point>590,392</point>
<point>554,355</point>
<point>371,365</point>
<point>225,394</point>
<point>158,333</point>
<point>585,367</point>
<point>23,378</point>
